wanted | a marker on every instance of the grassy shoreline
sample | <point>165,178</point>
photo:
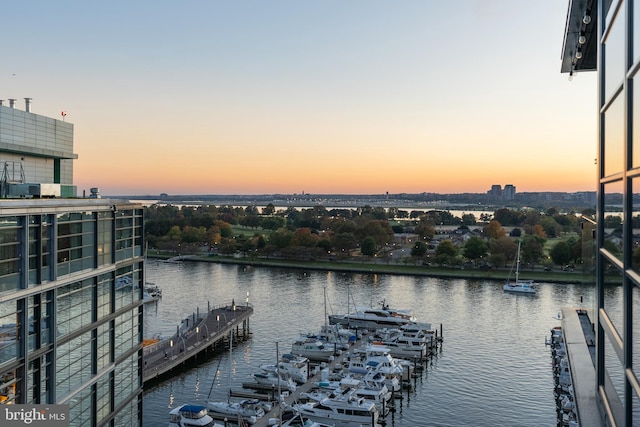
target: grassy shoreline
<point>401,269</point>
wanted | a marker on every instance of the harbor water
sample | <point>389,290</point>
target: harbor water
<point>492,369</point>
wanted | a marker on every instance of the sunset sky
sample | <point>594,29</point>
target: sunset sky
<point>349,96</point>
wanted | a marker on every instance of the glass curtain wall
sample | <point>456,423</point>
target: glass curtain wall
<point>618,232</point>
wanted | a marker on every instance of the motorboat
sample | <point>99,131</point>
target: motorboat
<point>353,411</point>
<point>405,348</point>
<point>350,387</point>
<point>277,379</point>
<point>191,416</point>
<point>374,318</point>
<point>519,286</point>
<point>297,367</point>
<point>153,290</point>
<point>250,410</point>
<point>313,349</point>
<point>377,358</point>
<point>334,336</point>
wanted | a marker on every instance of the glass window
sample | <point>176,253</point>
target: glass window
<point>614,368</point>
<point>81,409</point>
<point>74,306</point>
<point>613,50</point>
<point>613,218</point>
<point>636,336</point>
<point>76,242</point>
<point>9,327</point>
<point>103,398</point>
<point>73,365</point>
<point>10,249</point>
<point>614,296</point>
<point>614,137</point>
<point>635,127</point>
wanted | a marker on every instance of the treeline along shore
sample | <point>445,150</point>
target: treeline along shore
<point>380,268</point>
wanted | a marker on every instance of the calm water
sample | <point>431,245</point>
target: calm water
<point>493,370</point>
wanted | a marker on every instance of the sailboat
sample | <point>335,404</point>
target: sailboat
<point>519,286</point>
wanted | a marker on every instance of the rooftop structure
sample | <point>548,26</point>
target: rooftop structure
<point>71,281</point>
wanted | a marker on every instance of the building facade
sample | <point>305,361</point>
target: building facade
<point>605,36</point>
<point>71,282</point>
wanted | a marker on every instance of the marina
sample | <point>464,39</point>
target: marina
<point>473,369</point>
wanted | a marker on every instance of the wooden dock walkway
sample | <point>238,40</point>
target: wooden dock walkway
<point>198,333</point>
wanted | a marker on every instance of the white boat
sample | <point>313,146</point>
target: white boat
<point>342,413</point>
<point>334,336</point>
<point>275,379</point>
<point>250,410</point>
<point>313,349</point>
<point>297,367</point>
<point>403,348</point>
<point>191,416</point>
<point>378,359</point>
<point>374,318</point>
<point>348,388</point>
<point>151,294</point>
<point>153,290</point>
<point>519,286</point>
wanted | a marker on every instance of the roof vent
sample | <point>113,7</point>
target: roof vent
<point>27,105</point>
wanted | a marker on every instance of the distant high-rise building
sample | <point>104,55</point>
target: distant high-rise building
<point>509,192</point>
<point>495,192</point>
<point>71,281</point>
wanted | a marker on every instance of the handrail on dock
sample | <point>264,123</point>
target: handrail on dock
<point>196,334</point>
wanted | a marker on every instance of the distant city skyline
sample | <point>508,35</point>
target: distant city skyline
<point>323,97</point>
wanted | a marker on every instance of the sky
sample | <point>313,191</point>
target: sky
<point>326,97</point>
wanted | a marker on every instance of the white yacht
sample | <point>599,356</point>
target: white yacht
<point>250,410</point>
<point>297,367</point>
<point>191,416</point>
<point>313,349</point>
<point>348,388</point>
<point>341,412</point>
<point>374,318</point>
<point>277,379</point>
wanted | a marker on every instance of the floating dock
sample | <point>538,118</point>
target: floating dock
<point>198,334</point>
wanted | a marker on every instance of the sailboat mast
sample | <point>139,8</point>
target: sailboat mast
<point>518,262</point>
<point>325,307</point>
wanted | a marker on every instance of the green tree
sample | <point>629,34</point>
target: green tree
<point>446,252</point>
<point>344,243</point>
<point>419,249</point>
<point>468,219</point>
<point>532,249</point>
<point>425,230</point>
<point>560,253</point>
<point>475,248</point>
<point>368,246</point>
<point>269,209</point>
<point>281,238</point>
<point>550,226</point>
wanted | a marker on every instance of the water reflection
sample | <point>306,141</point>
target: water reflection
<point>494,366</point>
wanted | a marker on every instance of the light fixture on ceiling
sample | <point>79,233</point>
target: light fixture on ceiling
<point>578,54</point>
<point>586,19</point>
<point>582,39</point>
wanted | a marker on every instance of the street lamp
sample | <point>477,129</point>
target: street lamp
<point>197,335</point>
